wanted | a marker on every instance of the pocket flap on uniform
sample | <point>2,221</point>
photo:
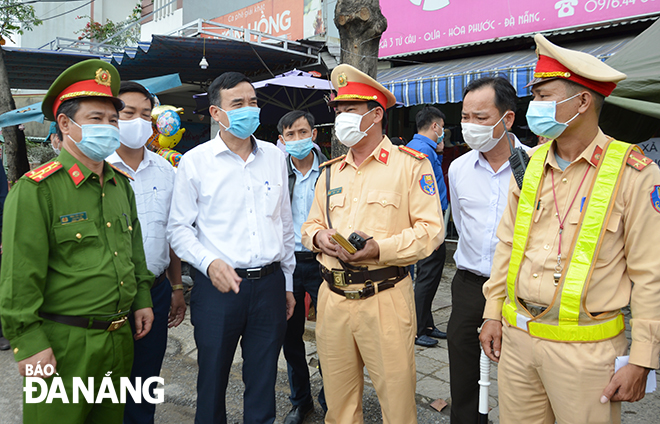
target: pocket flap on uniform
<point>76,231</point>
<point>384,198</point>
<point>336,200</point>
<point>613,223</point>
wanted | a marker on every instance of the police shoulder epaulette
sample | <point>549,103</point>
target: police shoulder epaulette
<point>638,161</point>
<point>44,171</point>
<point>331,161</point>
<point>125,174</point>
<point>412,152</point>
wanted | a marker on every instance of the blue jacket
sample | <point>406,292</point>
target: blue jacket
<point>427,146</point>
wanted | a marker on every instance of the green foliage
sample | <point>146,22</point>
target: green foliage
<point>15,18</point>
<point>97,32</point>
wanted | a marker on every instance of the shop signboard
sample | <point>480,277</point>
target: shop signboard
<point>419,25</point>
<point>291,19</point>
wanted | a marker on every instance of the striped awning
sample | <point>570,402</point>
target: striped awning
<point>443,82</point>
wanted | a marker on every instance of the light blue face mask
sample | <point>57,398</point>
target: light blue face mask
<point>243,122</point>
<point>299,149</point>
<point>541,118</point>
<point>98,140</point>
<point>441,136</point>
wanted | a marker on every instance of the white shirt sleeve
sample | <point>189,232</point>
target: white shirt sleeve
<point>455,207</point>
<point>288,263</point>
<point>184,210</point>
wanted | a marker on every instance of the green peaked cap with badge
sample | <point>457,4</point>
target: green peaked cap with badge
<point>89,78</point>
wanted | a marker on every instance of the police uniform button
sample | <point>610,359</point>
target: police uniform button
<point>109,225</point>
<point>78,236</point>
<point>102,194</point>
<point>355,199</point>
<point>130,228</point>
<point>546,247</point>
<point>564,180</point>
<point>119,311</point>
<point>535,275</point>
<point>359,172</point>
<point>383,201</point>
<point>350,226</point>
<point>115,253</point>
<point>121,283</point>
<point>15,350</point>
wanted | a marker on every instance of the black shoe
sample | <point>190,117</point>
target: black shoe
<point>436,334</point>
<point>425,341</point>
<point>4,343</point>
<point>298,413</point>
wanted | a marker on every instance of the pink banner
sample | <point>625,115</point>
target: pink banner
<point>418,25</point>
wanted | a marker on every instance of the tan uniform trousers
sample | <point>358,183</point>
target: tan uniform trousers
<point>541,381</point>
<point>378,332</point>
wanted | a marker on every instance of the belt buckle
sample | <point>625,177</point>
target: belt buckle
<point>352,294</point>
<point>253,273</point>
<point>339,278</point>
<point>116,325</point>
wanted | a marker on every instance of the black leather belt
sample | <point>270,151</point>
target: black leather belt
<point>305,256</point>
<point>89,323</point>
<point>159,279</point>
<point>257,273</point>
<point>342,278</point>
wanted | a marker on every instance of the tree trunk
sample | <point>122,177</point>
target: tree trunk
<point>14,148</point>
<point>360,24</point>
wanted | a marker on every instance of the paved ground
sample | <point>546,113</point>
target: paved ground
<point>180,371</point>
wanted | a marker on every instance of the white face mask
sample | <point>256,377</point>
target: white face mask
<point>347,128</point>
<point>480,137</point>
<point>134,133</point>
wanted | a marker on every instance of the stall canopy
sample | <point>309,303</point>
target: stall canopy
<point>38,68</point>
<point>443,82</point>
<point>632,112</point>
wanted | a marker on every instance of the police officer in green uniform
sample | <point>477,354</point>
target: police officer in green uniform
<point>73,263</point>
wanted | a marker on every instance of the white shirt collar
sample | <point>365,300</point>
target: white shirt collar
<point>219,145</point>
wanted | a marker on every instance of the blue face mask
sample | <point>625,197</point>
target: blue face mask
<point>541,118</point>
<point>299,149</point>
<point>440,137</point>
<point>98,140</point>
<point>243,122</point>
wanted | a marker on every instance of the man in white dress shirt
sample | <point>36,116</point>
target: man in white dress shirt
<point>478,187</point>
<point>231,219</point>
<point>153,181</point>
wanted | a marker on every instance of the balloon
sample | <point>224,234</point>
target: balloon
<point>168,123</point>
<point>171,141</point>
<point>172,156</point>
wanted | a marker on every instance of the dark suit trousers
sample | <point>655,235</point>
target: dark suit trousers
<point>149,352</point>
<point>429,274</point>
<point>467,302</point>
<point>256,316</point>
<point>306,279</point>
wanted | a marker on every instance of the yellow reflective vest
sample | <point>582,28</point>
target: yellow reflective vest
<point>565,319</point>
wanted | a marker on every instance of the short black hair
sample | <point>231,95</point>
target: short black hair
<point>134,87</point>
<point>427,116</point>
<point>573,88</point>
<point>505,94</point>
<point>371,104</point>
<point>290,118</point>
<point>225,81</point>
<point>68,108</point>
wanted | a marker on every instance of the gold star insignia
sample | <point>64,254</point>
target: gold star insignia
<point>102,77</point>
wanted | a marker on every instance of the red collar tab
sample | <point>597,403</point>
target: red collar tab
<point>76,174</point>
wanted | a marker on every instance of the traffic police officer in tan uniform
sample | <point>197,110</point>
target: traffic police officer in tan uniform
<point>73,263</point>
<point>366,312</point>
<point>572,243</point>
